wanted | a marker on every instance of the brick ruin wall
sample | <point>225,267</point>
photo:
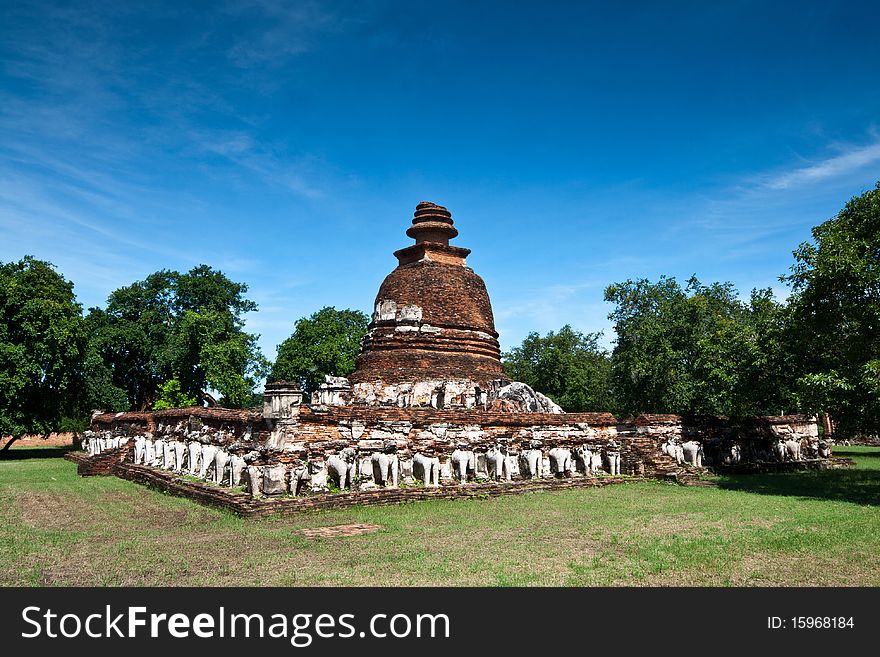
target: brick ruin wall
<point>252,461</point>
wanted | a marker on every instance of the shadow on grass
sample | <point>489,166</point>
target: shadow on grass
<point>21,453</point>
<point>860,485</point>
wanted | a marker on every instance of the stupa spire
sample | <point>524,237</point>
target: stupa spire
<point>432,223</point>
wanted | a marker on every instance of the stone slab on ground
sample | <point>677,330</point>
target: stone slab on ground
<point>335,531</point>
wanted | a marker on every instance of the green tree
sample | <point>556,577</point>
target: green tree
<point>697,349</point>
<point>836,316</point>
<point>171,395</point>
<point>327,343</point>
<point>43,345</point>
<point>188,327</point>
<point>567,366</point>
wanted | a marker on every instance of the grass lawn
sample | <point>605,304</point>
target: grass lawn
<point>793,529</point>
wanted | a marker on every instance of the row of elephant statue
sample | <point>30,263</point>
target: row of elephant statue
<point>350,469</point>
<point>731,452</point>
<point>96,443</point>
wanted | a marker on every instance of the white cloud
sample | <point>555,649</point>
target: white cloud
<point>849,161</point>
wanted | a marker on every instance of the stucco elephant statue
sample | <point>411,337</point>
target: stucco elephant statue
<point>463,461</point>
<point>497,464</point>
<point>342,467</point>
<point>179,455</point>
<point>824,449</point>
<point>532,461</point>
<point>793,449</point>
<point>561,461</point>
<point>731,455</point>
<point>582,457</point>
<point>693,453</point>
<point>778,450</point>
<point>385,469</point>
<point>221,460</point>
<point>612,461</point>
<point>299,476</point>
<point>809,448</point>
<point>255,480</point>
<point>611,457</point>
<point>139,450</point>
<point>208,454</point>
<point>427,468</point>
<point>236,467</point>
<point>195,457</point>
<point>168,455</point>
<point>158,453</point>
<point>674,449</point>
<point>149,452</point>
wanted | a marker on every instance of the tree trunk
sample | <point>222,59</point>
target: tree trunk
<point>11,440</point>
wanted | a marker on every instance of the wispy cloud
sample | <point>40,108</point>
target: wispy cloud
<point>852,159</point>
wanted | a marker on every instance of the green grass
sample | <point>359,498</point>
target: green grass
<point>790,529</point>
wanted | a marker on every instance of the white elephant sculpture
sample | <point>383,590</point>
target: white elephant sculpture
<point>299,476</point>
<point>236,467</point>
<point>168,455</point>
<point>179,455</point>
<point>463,461</point>
<point>532,461</point>
<point>342,467</point>
<point>793,449</point>
<point>254,480</point>
<point>612,461</point>
<point>731,455</point>
<point>139,450</point>
<point>221,460</point>
<point>209,452</point>
<point>778,450</point>
<point>561,461</point>
<point>427,468</point>
<point>195,456</point>
<point>497,463</point>
<point>158,453</point>
<point>581,457</point>
<point>149,452</point>
<point>675,450</point>
<point>693,453</point>
<point>824,449</point>
<point>385,469</point>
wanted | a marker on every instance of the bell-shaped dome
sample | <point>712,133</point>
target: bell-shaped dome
<point>432,317</point>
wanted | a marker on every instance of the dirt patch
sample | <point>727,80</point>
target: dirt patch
<point>54,511</point>
<point>54,440</point>
<point>335,531</point>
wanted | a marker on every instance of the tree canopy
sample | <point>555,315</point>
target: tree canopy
<point>43,347</point>
<point>697,349</point>
<point>569,367</point>
<point>836,316</point>
<point>327,343</point>
<point>178,327</point>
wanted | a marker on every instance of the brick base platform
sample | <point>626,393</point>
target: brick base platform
<point>245,505</point>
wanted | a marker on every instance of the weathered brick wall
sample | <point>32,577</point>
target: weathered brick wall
<point>306,440</point>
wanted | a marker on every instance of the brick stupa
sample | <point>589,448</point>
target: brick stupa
<point>432,314</point>
<point>432,340</point>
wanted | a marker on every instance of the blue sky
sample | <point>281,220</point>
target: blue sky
<point>576,144</point>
